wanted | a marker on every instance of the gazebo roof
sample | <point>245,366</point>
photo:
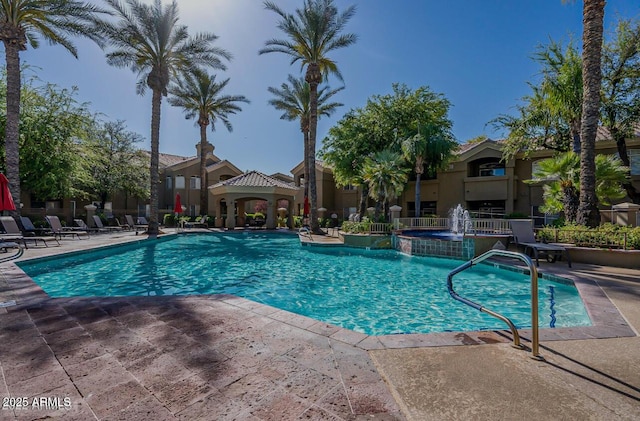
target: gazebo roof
<point>254,179</point>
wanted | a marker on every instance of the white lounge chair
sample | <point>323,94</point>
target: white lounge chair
<point>524,236</point>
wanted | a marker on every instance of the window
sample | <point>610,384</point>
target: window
<point>634,161</point>
<point>194,182</point>
<point>169,182</point>
<point>179,181</point>
<point>349,187</point>
<point>490,170</point>
<point>194,210</point>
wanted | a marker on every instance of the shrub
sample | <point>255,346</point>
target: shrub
<point>605,236</point>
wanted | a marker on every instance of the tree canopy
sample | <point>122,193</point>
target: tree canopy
<point>65,151</point>
<point>419,118</point>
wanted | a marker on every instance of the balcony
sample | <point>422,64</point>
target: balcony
<point>486,188</point>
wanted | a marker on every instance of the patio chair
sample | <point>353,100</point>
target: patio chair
<point>5,246</point>
<point>59,231</point>
<point>81,226</point>
<point>101,227</point>
<point>14,234</point>
<point>29,229</point>
<point>138,225</point>
<point>201,222</point>
<point>524,237</point>
<point>125,226</point>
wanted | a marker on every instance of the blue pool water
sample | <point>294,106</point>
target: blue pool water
<point>371,291</point>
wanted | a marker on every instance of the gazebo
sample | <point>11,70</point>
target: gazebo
<point>252,185</point>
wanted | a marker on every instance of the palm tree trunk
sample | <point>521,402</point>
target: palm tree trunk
<point>204,203</point>
<point>418,176</point>
<point>305,133</point>
<point>363,200</point>
<point>571,203</point>
<point>313,78</point>
<point>156,102</point>
<point>592,21</point>
<point>11,144</point>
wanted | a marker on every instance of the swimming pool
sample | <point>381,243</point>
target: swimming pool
<point>376,292</point>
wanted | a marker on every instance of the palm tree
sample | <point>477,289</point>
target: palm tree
<point>149,40</point>
<point>293,99</point>
<point>200,96</point>
<point>593,22</point>
<point>313,31</point>
<point>561,175</point>
<point>562,85</point>
<point>386,174</point>
<point>21,22</point>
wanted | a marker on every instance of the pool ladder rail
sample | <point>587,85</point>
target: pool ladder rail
<point>534,296</point>
<point>305,232</point>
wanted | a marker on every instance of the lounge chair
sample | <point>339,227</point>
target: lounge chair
<point>14,234</point>
<point>101,227</point>
<point>200,222</point>
<point>29,229</point>
<point>524,236</point>
<point>137,226</point>
<point>5,246</point>
<point>124,226</point>
<point>81,226</point>
<point>59,231</point>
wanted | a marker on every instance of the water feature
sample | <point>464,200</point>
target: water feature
<point>460,220</point>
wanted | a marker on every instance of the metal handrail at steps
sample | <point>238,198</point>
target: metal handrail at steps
<point>534,296</point>
<point>305,231</point>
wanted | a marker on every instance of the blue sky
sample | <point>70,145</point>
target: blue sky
<point>477,53</point>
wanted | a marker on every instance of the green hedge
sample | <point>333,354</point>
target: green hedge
<point>605,236</point>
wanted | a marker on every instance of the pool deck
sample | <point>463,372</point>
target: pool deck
<point>220,357</point>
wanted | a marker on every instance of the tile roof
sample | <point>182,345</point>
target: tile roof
<point>167,160</point>
<point>255,179</point>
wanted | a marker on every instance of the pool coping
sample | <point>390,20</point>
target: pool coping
<point>607,321</point>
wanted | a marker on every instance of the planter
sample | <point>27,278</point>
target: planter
<point>629,259</point>
<point>373,241</point>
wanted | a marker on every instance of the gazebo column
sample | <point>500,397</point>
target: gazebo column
<point>291,206</point>
<point>217,211</point>
<point>231,213</point>
<point>272,212</point>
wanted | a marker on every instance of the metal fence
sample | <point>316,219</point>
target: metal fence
<point>473,225</point>
<point>587,238</point>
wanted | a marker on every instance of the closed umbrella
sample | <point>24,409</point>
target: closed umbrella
<point>6,201</point>
<point>178,208</point>
<point>306,206</point>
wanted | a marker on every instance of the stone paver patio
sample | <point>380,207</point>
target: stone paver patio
<point>220,357</point>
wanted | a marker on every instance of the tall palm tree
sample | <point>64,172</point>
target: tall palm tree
<point>149,40</point>
<point>314,31</point>
<point>294,100</point>
<point>562,85</point>
<point>200,97</point>
<point>21,22</point>
<point>593,23</point>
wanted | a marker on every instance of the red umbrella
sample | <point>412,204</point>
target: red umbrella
<point>178,206</point>
<point>6,201</point>
<point>306,206</point>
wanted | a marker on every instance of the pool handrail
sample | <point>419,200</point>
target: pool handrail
<point>534,296</point>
